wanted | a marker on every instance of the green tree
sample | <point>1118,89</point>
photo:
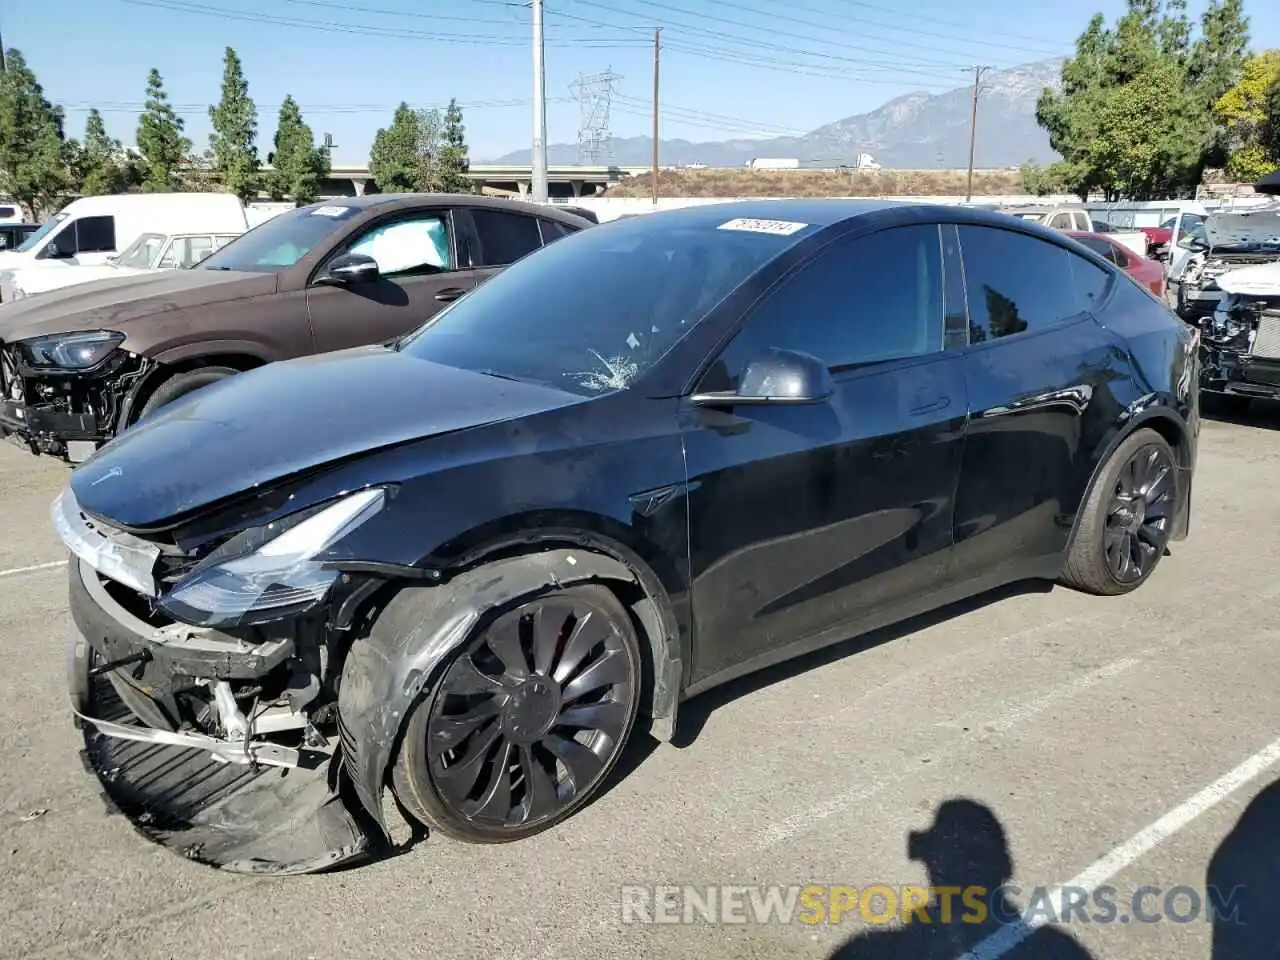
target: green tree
<point>33,147</point>
<point>1244,113</point>
<point>430,176</point>
<point>454,162</point>
<point>1134,116</point>
<point>394,160</point>
<point>298,165</point>
<point>235,130</point>
<point>1271,128</point>
<point>160,138</point>
<point>100,165</point>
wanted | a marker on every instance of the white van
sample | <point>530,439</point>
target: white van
<point>88,231</point>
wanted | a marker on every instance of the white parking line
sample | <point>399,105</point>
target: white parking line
<point>35,568</point>
<point>1102,870</point>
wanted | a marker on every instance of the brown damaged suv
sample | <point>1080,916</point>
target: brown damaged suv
<point>79,365</point>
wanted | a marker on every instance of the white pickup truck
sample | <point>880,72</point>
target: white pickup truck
<point>1077,218</point>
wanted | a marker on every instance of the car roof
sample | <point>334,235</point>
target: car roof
<point>819,211</point>
<point>393,201</point>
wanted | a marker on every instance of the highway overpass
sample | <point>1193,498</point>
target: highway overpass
<point>563,180</point>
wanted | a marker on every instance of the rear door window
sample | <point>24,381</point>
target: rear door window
<point>504,237</point>
<point>1018,283</point>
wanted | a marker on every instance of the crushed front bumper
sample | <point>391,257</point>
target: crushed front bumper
<point>63,414</point>
<point>1241,349</point>
<point>246,805</point>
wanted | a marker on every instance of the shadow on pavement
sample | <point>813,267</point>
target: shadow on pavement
<point>965,848</point>
<point>1244,878</point>
<point>695,712</point>
<point>1259,414</point>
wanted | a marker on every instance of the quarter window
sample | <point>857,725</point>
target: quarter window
<point>552,230</point>
<point>418,244</point>
<point>875,298</point>
<point>504,237</point>
<point>1017,283</point>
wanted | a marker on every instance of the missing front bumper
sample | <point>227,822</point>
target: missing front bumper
<point>260,808</point>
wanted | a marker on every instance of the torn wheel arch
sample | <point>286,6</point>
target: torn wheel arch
<point>413,634</point>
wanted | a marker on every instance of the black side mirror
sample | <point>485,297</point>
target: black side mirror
<point>777,377</point>
<point>350,268</point>
<point>58,249</point>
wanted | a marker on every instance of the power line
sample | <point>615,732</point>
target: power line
<point>775,32</point>
<point>951,23</point>
<point>368,30</point>
<point>911,29</point>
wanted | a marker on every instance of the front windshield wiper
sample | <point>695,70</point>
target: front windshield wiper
<point>501,376</point>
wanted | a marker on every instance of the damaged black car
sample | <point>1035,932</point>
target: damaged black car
<point>461,571</point>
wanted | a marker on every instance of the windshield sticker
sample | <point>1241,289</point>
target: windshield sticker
<point>779,228</point>
<point>331,211</point>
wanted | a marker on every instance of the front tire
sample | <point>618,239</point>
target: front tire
<point>183,383</point>
<point>1126,520</point>
<point>526,721</point>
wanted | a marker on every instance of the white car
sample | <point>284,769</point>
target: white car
<point>148,253</point>
<point>1227,244</point>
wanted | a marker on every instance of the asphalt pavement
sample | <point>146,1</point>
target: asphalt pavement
<point>1110,745</point>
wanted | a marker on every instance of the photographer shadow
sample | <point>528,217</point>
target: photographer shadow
<point>1244,878</point>
<point>965,848</point>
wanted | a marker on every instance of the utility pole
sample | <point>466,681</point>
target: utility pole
<point>539,158</point>
<point>3,67</point>
<point>973,129</point>
<point>657,47</point>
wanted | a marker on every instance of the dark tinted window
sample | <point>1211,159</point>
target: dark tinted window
<point>1100,247</point>
<point>1017,283</point>
<point>1091,281</point>
<point>95,234</point>
<point>553,230</point>
<point>505,237</point>
<point>7,212</point>
<point>874,298</point>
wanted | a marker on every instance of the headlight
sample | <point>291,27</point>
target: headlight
<point>70,351</point>
<point>265,574</point>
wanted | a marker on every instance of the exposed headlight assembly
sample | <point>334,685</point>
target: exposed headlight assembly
<point>69,351</point>
<point>267,573</point>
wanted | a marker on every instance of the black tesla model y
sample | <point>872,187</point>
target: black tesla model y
<point>651,457</point>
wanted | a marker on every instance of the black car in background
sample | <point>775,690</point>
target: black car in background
<point>644,460</point>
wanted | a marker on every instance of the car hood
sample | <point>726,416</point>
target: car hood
<point>1262,280</point>
<point>1244,227</point>
<point>287,418</point>
<point>110,304</point>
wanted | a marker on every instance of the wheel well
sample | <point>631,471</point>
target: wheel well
<point>167,371</point>
<point>1172,432</point>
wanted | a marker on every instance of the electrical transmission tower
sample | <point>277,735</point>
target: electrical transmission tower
<point>594,94</point>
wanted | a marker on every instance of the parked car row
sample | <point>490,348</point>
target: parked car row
<point>81,363</point>
<point>619,465</point>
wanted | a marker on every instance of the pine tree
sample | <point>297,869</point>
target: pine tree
<point>160,139</point>
<point>235,130</point>
<point>33,148</point>
<point>298,165</point>
<point>454,164</point>
<point>394,159</point>
<point>101,165</point>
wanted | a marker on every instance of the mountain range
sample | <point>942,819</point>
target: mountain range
<point>916,131</point>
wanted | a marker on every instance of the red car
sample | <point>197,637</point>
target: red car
<point>1150,273</point>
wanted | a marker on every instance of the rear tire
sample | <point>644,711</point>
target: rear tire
<point>1125,521</point>
<point>526,720</point>
<point>183,383</point>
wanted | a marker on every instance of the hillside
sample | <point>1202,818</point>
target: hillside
<point>917,131</point>
<point>817,183</point>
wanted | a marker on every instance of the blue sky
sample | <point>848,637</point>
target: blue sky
<point>730,68</point>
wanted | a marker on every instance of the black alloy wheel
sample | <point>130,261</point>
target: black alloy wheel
<point>1140,514</point>
<point>527,720</point>
<point>1126,520</point>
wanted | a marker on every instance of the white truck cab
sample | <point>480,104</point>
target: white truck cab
<point>88,231</point>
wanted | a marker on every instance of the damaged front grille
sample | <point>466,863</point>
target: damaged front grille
<point>1266,341</point>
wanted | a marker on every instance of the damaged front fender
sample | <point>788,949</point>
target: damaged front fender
<point>387,670</point>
